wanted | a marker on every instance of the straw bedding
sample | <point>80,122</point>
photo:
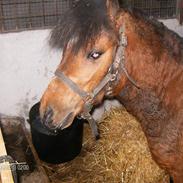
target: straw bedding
<point>120,156</point>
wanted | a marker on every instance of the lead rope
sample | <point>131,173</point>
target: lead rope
<point>92,122</point>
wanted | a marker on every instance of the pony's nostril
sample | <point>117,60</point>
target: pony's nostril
<point>47,118</point>
<point>67,120</point>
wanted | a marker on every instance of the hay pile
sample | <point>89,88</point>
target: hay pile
<point>120,156</point>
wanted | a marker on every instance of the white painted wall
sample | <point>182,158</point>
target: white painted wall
<point>26,67</point>
<point>174,25</point>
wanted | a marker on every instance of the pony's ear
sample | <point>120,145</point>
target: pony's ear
<point>112,8</point>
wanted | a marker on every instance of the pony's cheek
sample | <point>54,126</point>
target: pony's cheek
<point>99,98</point>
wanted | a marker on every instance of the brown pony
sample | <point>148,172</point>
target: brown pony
<point>93,37</point>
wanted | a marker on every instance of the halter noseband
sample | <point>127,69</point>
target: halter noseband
<point>109,79</point>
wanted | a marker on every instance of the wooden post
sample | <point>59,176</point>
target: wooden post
<point>180,11</point>
<point>5,170</point>
<point>1,17</point>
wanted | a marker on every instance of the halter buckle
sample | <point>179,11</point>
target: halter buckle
<point>109,91</point>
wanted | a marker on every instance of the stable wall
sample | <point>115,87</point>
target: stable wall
<point>27,65</point>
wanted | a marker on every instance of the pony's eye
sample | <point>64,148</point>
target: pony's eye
<point>94,55</point>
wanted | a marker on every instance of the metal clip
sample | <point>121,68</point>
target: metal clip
<point>109,92</point>
<point>114,77</point>
<point>89,98</point>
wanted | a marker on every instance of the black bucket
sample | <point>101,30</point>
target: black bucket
<point>58,147</point>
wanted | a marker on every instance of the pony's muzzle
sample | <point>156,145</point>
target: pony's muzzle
<point>48,121</point>
<point>67,121</point>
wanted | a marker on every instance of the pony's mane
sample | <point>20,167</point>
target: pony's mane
<point>81,23</point>
<point>170,39</point>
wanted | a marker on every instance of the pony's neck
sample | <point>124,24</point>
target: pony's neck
<point>153,67</point>
<point>148,58</point>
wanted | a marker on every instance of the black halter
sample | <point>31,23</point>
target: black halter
<point>109,80</point>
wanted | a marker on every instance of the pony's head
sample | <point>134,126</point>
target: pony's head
<point>88,35</point>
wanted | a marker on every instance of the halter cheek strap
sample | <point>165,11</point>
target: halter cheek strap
<point>110,78</point>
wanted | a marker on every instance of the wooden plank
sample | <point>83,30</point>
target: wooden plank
<point>38,161</point>
<point>180,11</point>
<point>5,171</point>
<point>1,18</point>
